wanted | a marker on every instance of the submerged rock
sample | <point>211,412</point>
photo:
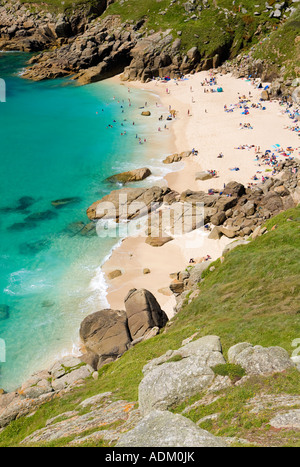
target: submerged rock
<point>4,312</point>
<point>24,203</point>
<point>41,216</point>
<point>33,247</point>
<point>59,203</point>
<point>20,226</point>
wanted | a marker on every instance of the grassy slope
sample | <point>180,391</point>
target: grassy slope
<point>254,296</point>
<point>282,47</point>
<point>222,23</point>
<point>57,5</point>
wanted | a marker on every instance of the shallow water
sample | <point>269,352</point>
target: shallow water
<point>56,143</point>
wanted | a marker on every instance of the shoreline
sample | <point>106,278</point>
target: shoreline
<point>202,124</point>
<point>132,255</point>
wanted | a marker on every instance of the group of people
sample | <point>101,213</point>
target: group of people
<point>245,126</point>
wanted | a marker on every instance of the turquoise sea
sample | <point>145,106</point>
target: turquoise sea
<point>57,142</point>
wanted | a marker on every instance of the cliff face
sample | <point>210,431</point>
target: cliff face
<point>31,28</point>
<point>97,39</point>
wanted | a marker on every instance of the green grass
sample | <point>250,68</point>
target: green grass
<point>253,296</point>
<point>58,5</point>
<point>220,27</point>
<point>235,372</point>
<point>281,49</point>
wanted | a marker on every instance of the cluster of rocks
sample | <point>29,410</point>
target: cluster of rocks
<point>244,66</point>
<point>181,374</point>
<point>236,211</point>
<point>80,43</point>
<point>108,47</point>
<point>35,29</point>
<point>167,381</point>
<point>107,334</point>
<point>42,387</point>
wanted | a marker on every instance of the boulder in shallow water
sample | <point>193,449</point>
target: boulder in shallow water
<point>24,203</point>
<point>127,203</point>
<point>33,247</point>
<point>130,176</point>
<point>4,312</point>
<point>41,216</point>
<point>59,203</point>
<point>74,228</point>
<point>20,226</point>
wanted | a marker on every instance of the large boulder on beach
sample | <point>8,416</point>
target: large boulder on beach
<point>143,312</point>
<point>234,189</point>
<point>130,176</point>
<point>157,241</point>
<point>203,176</point>
<point>106,334</point>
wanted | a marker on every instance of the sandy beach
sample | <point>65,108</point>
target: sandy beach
<point>212,123</point>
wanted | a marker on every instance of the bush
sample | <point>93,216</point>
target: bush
<point>235,372</point>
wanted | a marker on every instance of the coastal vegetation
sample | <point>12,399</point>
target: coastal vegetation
<point>252,296</point>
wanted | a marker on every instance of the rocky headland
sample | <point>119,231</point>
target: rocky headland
<point>88,45</point>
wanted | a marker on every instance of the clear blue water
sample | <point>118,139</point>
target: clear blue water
<point>56,143</point>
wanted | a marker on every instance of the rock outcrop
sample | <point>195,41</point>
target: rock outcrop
<point>258,360</point>
<point>105,334</point>
<point>135,175</point>
<point>164,429</point>
<point>143,312</point>
<point>42,387</point>
<point>180,374</point>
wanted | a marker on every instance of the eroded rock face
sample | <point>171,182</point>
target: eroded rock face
<point>164,429</point>
<point>143,312</point>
